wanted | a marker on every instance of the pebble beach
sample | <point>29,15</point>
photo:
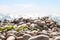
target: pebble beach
<point>41,28</point>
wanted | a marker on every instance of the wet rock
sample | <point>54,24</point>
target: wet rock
<point>40,37</point>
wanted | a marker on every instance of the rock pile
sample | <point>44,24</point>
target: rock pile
<point>44,28</point>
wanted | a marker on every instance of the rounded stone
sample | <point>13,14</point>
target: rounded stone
<point>57,38</point>
<point>26,36</point>
<point>40,37</point>
<point>11,38</point>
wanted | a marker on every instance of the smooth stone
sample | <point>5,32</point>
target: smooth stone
<point>11,38</point>
<point>57,38</point>
<point>26,36</point>
<point>2,37</point>
<point>40,37</point>
<point>19,38</point>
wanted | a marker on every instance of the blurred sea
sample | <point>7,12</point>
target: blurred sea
<point>10,17</point>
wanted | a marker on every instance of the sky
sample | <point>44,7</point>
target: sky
<point>30,8</point>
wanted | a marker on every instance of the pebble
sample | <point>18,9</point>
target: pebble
<point>40,37</point>
<point>57,38</point>
<point>26,36</point>
<point>11,38</point>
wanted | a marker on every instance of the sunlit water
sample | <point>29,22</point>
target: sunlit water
<point>11,16</point>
